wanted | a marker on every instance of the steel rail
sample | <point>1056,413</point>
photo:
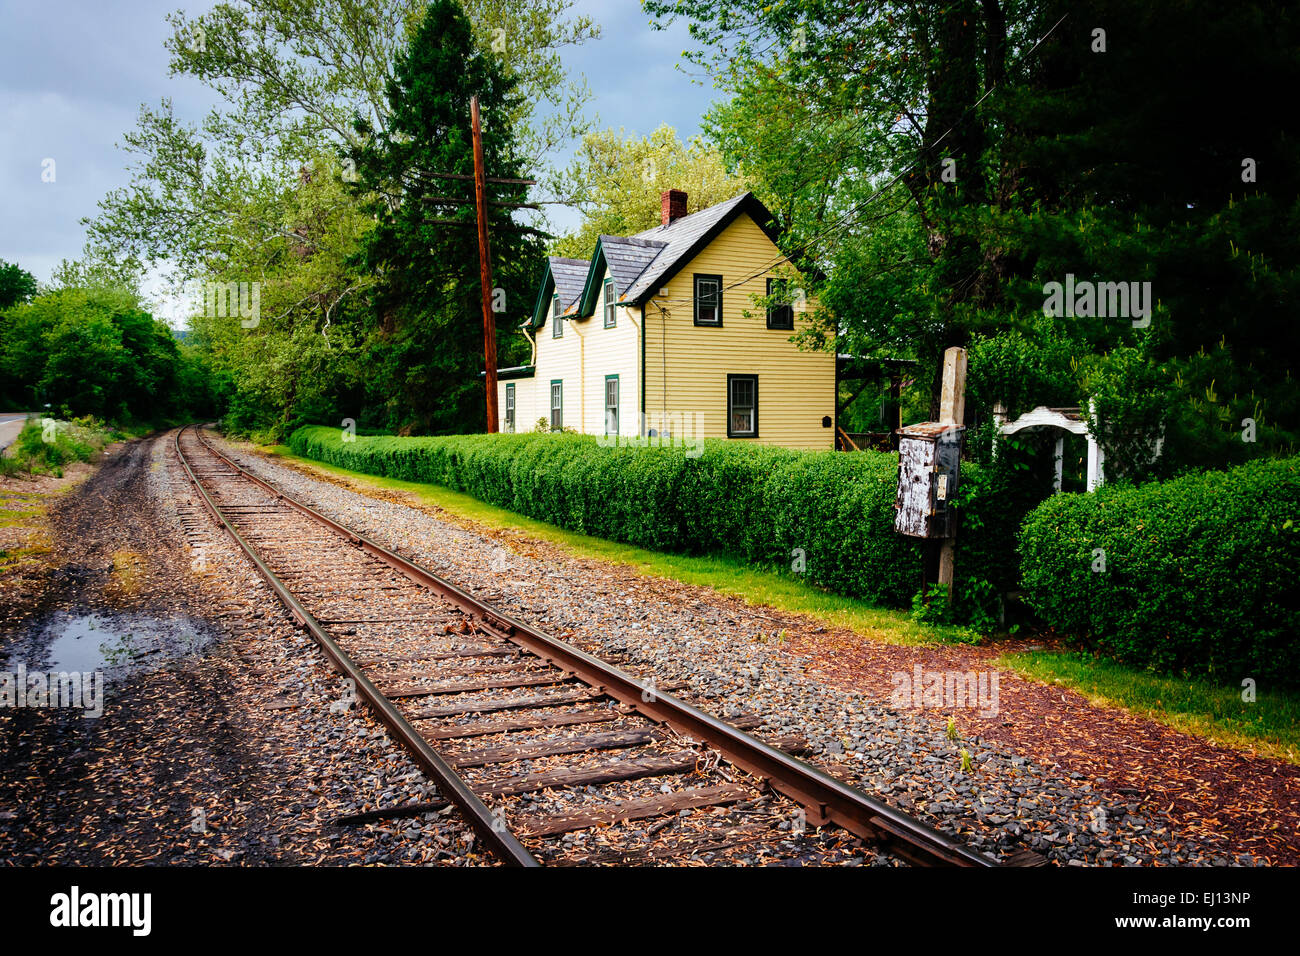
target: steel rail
<point>503,843</point>
<point>823,797</point>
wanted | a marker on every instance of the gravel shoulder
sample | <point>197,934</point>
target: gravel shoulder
<point>1048,772</point>
<point>11,424</point>
<point>228,742</point>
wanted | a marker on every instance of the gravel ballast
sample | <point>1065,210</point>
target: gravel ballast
<point>729,656</point>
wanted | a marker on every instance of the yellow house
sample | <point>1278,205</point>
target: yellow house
<point>661,335</point>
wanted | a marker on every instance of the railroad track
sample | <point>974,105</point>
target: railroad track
<point>534,740</point>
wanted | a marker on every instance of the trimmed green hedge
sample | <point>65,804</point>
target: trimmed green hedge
<point>1201,572</point>
<point>760,504</point>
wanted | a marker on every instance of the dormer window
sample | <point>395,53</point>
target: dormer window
<point>610,317</point>
<point>557,323</point>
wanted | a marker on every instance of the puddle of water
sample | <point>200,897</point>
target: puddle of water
<point>84,645</point>
<point>117,644</point>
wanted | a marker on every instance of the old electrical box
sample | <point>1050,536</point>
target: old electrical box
<point>929,461</point>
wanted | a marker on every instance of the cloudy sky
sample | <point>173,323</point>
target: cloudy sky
<point>73,74</point>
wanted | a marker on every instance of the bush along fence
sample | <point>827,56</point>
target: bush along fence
<point>1197,575</point>
<point>824,515</point>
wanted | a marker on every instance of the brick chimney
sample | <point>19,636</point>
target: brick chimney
<point>673,206</point>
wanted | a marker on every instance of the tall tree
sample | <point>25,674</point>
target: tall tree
<point>862,124</point>
<point>17,285</point>
<point>942,162</point>
<point>225,200</point>
<point>294,78</point>
<point>424,246</point>
<point>616,181</point>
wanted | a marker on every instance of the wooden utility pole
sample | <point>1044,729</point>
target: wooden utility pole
<point>485,269</point>
<point>952,410</point>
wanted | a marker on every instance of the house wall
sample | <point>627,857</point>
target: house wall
<point>581,359</point>
<point>525,404</point>
<point>686,366</point>
<point>556,359</point>
<point>615,351</point>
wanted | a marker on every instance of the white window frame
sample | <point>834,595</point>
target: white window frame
<point>611,318</point>
<point>611,409</point>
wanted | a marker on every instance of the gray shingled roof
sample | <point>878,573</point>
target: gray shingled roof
<point>628,258</point>
<point>570,276</point>
<point>675,239</point>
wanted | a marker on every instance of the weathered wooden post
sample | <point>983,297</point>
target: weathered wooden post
<point>929,467</point>
<point>952,411</point>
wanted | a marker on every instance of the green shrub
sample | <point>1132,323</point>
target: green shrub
<point>827,516</point>
<point>76,441</point>
<point>1200,573</point>
<point>830,514</point>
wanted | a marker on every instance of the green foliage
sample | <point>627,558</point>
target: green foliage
<point>617,183</point>
<point>424,245</point>
<point>1023,368</point>
<point>825,516</point>
<point>1201,572</point>
<point>41,450</point>
<point>16,285</point>
<point>95,351</point>
<point>1132,398</point>
<point>992,502</point>
<point>261,191</point>
<point>847,121</point>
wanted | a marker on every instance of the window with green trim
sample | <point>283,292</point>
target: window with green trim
<point>557,323</point>
<point>510,406</point>
<point>557,405</point>
<point>610,317</point>
<point>611,404</point>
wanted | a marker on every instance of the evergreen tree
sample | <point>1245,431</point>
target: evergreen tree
<point>429,348</point>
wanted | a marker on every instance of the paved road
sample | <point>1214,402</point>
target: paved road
<point>11,423</point>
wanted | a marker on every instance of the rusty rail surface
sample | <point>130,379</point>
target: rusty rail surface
<point>824,799</point>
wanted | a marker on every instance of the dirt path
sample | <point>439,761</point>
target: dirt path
<point>1222,795</point>
<point>219,743</point>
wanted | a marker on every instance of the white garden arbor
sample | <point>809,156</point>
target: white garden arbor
<point>1071,420</point>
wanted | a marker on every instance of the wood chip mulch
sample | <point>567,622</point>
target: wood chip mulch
<point>1220,795</point>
